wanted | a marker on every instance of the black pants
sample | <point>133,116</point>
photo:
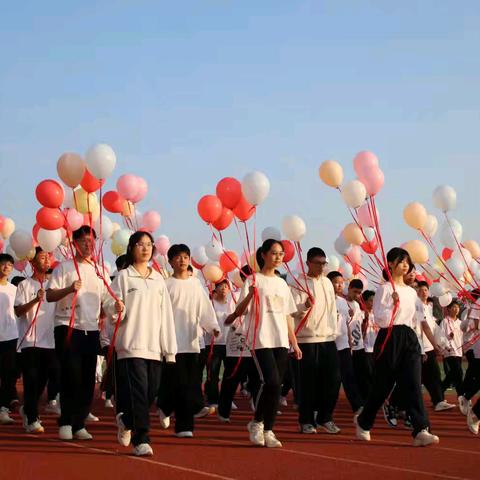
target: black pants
<point>400,362</point>
<point>271,364</point>
<point>78,361</point>
<point>166,390</point>
<point>53,382</point>
<point>369,369</point>
<point>198,397</point>
<point>473,385</point>
<point>469,378</point>
<point>318,382</point>
<point>36,363</point>
<point>360,369</point>
<point>349,382</point>
<point>138,382</point>
<point>108,379</point>
<point>431,378</point>
<point>8,373</point>
<point>455,374</point>
<point>213,373</point>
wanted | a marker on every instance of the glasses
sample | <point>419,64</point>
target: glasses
<point>142,244</point>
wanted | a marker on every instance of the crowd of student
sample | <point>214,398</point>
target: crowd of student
<point>310,335</point>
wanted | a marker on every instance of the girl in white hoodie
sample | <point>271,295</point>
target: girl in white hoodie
<point>146,335</point>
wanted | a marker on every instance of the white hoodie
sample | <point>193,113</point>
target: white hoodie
<point>147,328</point>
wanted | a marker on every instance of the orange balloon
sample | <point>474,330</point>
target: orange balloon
<point>71,169</point>
<point>89,183</point>
<point>209,208</point>
<point>229,261</point>
<point>244,210</point>
<point>225,219</point>
<point>50,218</point>
<point>50,193</point>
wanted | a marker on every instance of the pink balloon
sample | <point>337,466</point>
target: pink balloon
<point>142,189</point>
<point>74,219</point>
<point>21,265</point>
<point>364,217</point>
<point>127,186</point>
<point>364,161</point>
<point>162,244</point>
<point>355,254</point>
<point>151,220</point>
<point>373,181</point>
<point>2,244</point>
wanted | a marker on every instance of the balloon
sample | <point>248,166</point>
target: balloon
<point>354,193</point>
<point>364,217</point>
<point>456,266</point>
<point>121,238</point>
<point>73,220</point>
<point>151,221</point>
<point>115,227</point>
<point>352,234</point>
<point>229,261</point>
<point>113,201</point>
<point>209,208</point>
<point>417,250</point>
<point>449,239</point>
<point>437,289</point>
<point>462,255</point>
<point>229,191</point>
<point>271,232</point>
<point>90,183</point>
<point>101,160</point>
<point>331,173</point>
<point>8,228</point>
<point>294,228</point>
<point>214,250</point>
<point>212,273</point>
<point>224,220</point>
<point>2,244</point>
<point>128,209</point>
<point>21,242</point>
<point>445,198</point>
<point>50,193</point>
<point>473,247</point>
<point>373,180</point>
<point>2,222</point>
<point>431,225</point>
<point>445,299</point>
<point>415,215</point>
<point>364,162</point>
<point>162,244</point>
<point>106,228</point>
<point>85,202</point>
<point>347,270</point>
<point>341,246</point>
<point>199,255</point>
<point>355,255</point>
<point>369,234</point>
<point>237,279</point>
<point>255,187</point>
<point>127,186</point>
<point>50,218</point>
<point>142,189</point>
<point>20,265</point>
<point>70,169</point>
<point>117,249</point>
<point>289,250</point>
<point>244,210</point>
<point>49,240</point>
<point>447,253</point>
<point>333,263</point>
<point>370,247</point>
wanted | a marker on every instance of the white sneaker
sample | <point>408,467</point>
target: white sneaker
<point>204,412</point>
<point>53,407</point>
<point>35,427</point>
<point>82,434</point>
<point>464,404</point>
<point>443,405</point>
<point>234,406</point>
<point>362,434</point>
<point>223,419</point>
<point>164,420</point>
<point>283,401</point>
<point>92,418</point>
<point>473,422</point>
<point>424,438</point>
<point>65,432</point>
<point>330,427</point>
<point>124,436</point>
<point>257,436</point>
<point>108,403</point>
<point>5,418</point>
<point>271,441</point>
<point>308,428</point>
<point>186,434</point>
<point>143,450</point>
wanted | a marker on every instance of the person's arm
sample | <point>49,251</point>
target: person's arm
<point>55,295</point>
<point>429,334</point>
<point>293,339</point>
<point>241,307</point>
<point>21,310</point>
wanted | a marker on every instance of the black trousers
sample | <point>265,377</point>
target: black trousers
<point>349,382</point>
<point>271,364</point>
<point>455,374</point>
<point>138,382</point>
<point>8,372</point>
<point>400,362</point>
<point>471,371</point>
<point>36,363</point>
<point>198,397</point>
<point>53,382</point>
<point>108,379</point>
<point>213,373</point>
<point>473,385</point>
<point>369,370</point>
<point>360,369</point>
<point>78,361</point>
<point>166,390</point>
<point>318,382</point>
<point>431,378</point>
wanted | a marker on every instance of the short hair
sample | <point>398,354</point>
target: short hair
<point>121,262</point>
<point>454,302</point>
<point>6,257</point>
<point>333,275</point>
<point>17,280</point>
<point>356,283</point>
<point>315,252</point>
<point>367,294</point>
<point>422,283</point>
<point>176,250</point>
<point>245,272</point>
<point>221,282</point>
<point>84,231</point>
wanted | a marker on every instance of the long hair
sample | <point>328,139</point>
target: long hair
<point>396,255</point>
<point>135,238</point>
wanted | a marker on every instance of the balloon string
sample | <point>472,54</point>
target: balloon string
<point>32,324</point>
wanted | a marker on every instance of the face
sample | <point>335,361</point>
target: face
<point>369,303</point>
<point>274,257</point>
<point>84,246</point>
<point>222,290</point>
<point>6,268</point>
<point>338,284</point>
<point>354,293</point>
<point>400,268</point>
<point>41,262</point>
<point>180,263</point>
<point>454,310</point>
<point>316,265</point>
<point>143,249</point>
<point>422,293</point>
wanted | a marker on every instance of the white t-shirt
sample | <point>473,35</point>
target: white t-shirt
<point>425,315</point>
<point>342,340</point>
<point>468,326</point>
<point>383,306</point>
<point>8,321</point>
<point>356,325</point>
<point>449,326</point>
<point>222,311</point>
<point>41,335</point>
<point>275,303</point>
<point>237,339</point>
<point>370,333</point>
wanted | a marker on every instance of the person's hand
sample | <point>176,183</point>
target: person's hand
<point>297,352</point>
<point>350,312</point>
<point>395,297</point>
<point>309,302</point>
<point>251,289</point>
<point>216,333</point>
<point>450,335</point>
<point>76,286</point>
<point>424,357</point>
<point>119,306</point>
<point>41,295</point>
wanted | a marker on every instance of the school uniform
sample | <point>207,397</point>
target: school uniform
<point>453,357</point>
<point>370,332</point>
<point>472,375</point>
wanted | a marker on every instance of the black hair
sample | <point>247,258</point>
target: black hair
<point>454,302</point>
<point>475,293</point>
<point>315,252</point>
<point>83,231</point>
<point>17,280</point>
<point>177,249</point>
<point>6,257</point>
<point>120,262</point>
<point>430,300</point>
<point>245,272</point>
<point>221,282</point>
<point>396,255</point>
<point>367,294</point>
<point>264,249</point>
<point>38,250</point>
<point>423,283</point>
<point>333,275</point>
<point>135,238</point>
<point>356,283</point>
<point>259,259</point>
<point>190,269</point>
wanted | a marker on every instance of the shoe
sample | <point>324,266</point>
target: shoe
<point>271,441</point>
<point>362,434</point>
<point>5,418</point>
<point>82,434</point>
<point>53,407</point>
<point>65,432</point>
<point>356,415</point>
<point>283,402</point>
<point>35,427</point>
<point>143,450</point>
<point>464,404</point>
<point>257,436</point>
<point>92,418</point>
<point>213,405</point>
<point>443,405</point>
<point>307,428</point>
<point>108,403</point>
<point>390,414</point>
<point>223,419</point>
<point>186,434</point>
<point>473,422</point>
<point>424,438</point>
<point>164,420</point>
<point>407,423</point>
<point>204,412</point>
<point>24,418</point>
<point>124,436</point>
<point>330,427</point>
<point>234,406</point>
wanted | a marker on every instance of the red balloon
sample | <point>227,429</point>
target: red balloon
<point>209,208</point>
<point>356,268</point>
<point>50,218</point>
<point>2,244</point>
<point>225,219</point>
<point>2,222</point>
<point>50,193</point>
<point>447,253</point>
<point>244,210</point>
<point>195,264</point>
<point>229,191</point>
<point>89,183</point>
<point>113,201</point>
<point>35,230</point>
<point>289,250</point>
<point>229,261</point>
<point>370,247</point>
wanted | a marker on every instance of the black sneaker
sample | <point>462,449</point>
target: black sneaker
<point>390,414</point>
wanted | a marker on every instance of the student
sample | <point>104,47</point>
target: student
<point>8,340</point>
<point>397,351</point>
<point>318,370</point>
<point>78,354</point>
<point>271,332</point>
<point>37,341</point>
<point>473,413</point>
<point>146,335</point>
<point>343,343</point>
<point>369,333</point>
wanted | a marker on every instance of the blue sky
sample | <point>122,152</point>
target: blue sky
<point>189,92</point>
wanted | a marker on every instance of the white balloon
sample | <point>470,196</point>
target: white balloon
<point>445,299</point>
<point>101,160</point>
<point>447,237</point>
<point>445,198</point>
<point>199,255</point>
<point>68,199</point>
<point>271,232</point>
<point>212,272</point>
<point>121,237</point>
<point>333,263</point>
<point>21,242</point>
<point>462,255</point>
<point>236,278</point>
<point>214,250</point>
<point>354,193</point>
<point>369,233</point>
<point>294,228</point>
<point>107,227</point>
<point>347,270</point>
<point>341,246</point>
<point>431,225</point>
<point>255,187</point>
<point>49,240</point>
<point>456,266</point>
<point>437,289</point>
<point>11,252</point>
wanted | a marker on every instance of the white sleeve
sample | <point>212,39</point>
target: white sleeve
<point>168,339</point>
<point>206,313</point>
<point>57,280</point>
<point>108,302</point>
<point>383,306</point>
<point>299,298</point>
<point>20,296</point>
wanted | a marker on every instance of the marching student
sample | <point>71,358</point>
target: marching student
<point>397,351</point>
<point>473,413</point>
<point>369,332</point>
